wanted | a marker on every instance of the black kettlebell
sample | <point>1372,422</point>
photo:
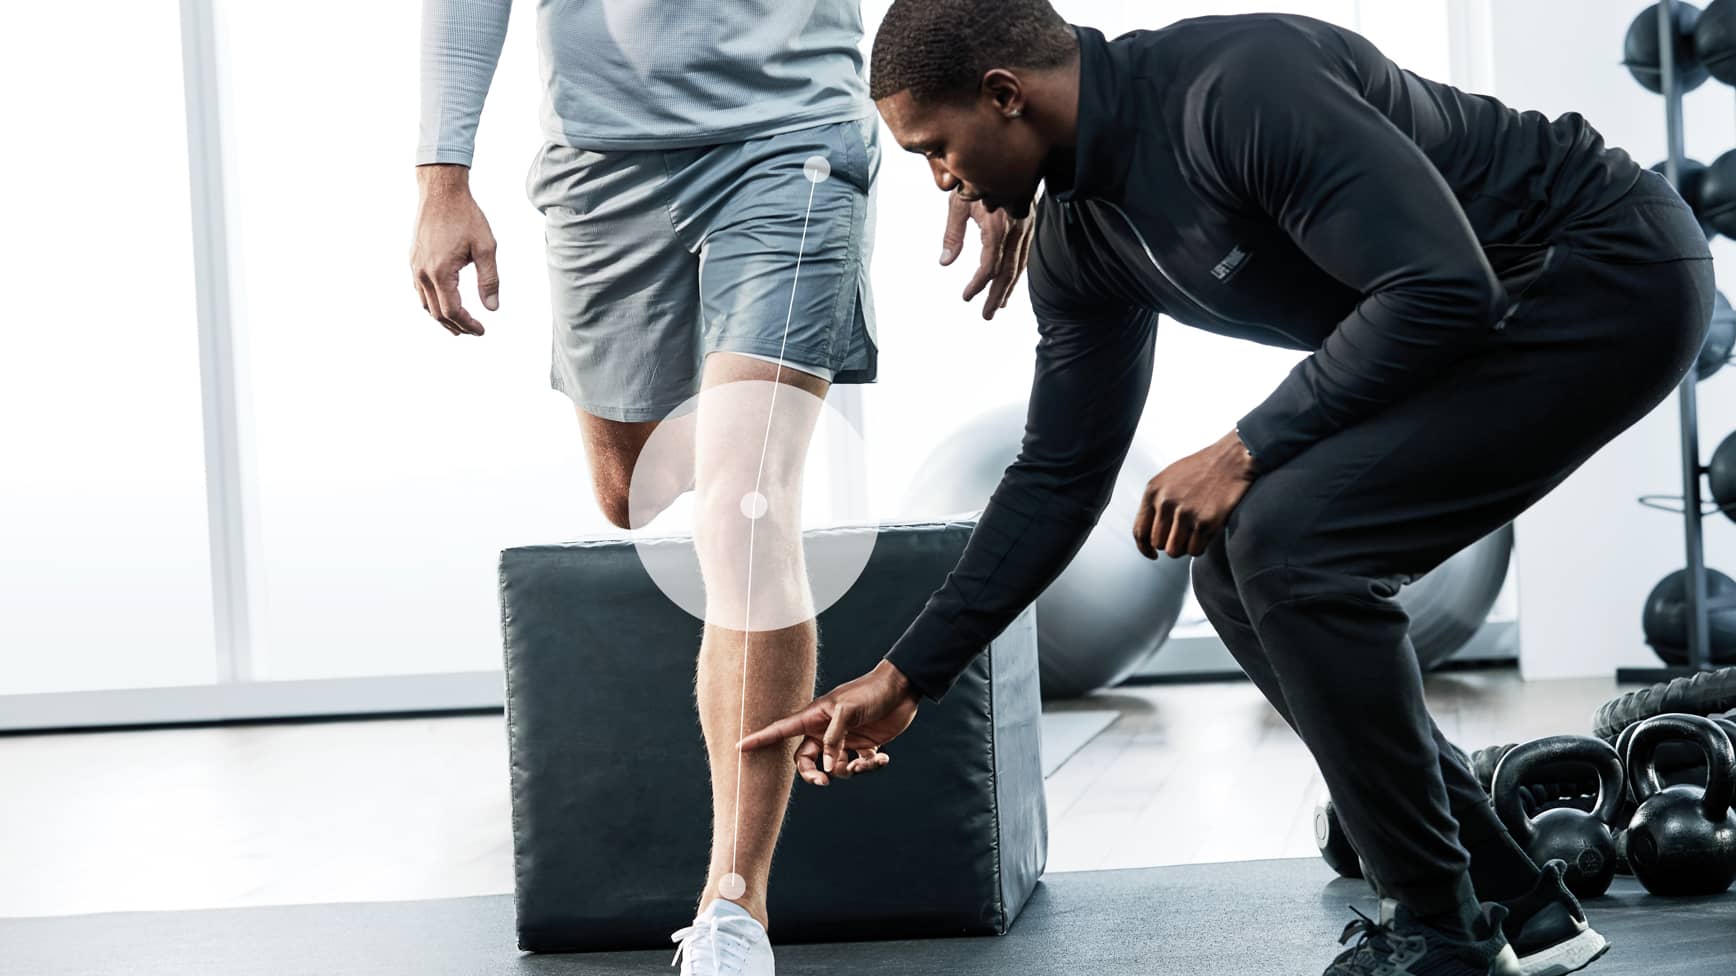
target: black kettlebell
<point>1581,839</point>
<point>1624,816</point>
<point>1682,840</point>
<point>1335,847</point>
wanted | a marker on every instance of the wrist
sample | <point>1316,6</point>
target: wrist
<point>434,178</point>
<point>1243,458</point>
<point>899,680</point>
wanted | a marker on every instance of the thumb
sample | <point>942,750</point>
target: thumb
<point>834,741</point>
<point>488,277</point>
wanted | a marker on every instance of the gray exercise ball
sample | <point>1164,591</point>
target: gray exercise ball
<point>1448,605</point>
<point>1111,608</point>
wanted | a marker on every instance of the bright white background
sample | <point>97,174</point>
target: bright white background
<point>390,461</point>
<point>1588,554</point>
<point>104,565</point>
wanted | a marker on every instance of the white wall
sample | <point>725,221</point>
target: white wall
<point>1588,554</point>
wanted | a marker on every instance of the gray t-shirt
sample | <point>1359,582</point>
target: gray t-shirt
<point>648,74</point>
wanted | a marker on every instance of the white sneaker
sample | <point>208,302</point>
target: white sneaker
<point>725,940</point>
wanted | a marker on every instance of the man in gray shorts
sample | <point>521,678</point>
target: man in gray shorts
<point>690,246</point>
<point>658,258</point>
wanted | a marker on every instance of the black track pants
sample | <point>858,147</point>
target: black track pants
<point>1301,583</point>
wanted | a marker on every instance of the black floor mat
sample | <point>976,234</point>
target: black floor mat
<point>1256,917</point>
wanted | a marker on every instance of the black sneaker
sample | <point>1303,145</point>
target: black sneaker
<point>1548,930</point>
<point>1404,946</point>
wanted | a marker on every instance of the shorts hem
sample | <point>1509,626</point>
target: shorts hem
<point>797,357</point>
<point>619,413</point>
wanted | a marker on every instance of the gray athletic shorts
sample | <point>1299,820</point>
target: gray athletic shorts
<point>658,257</point>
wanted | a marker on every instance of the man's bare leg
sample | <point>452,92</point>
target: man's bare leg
<point>748,812</point>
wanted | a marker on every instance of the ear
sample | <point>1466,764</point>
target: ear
<point>1004,92</point>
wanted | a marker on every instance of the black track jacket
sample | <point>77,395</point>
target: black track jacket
<point>1275,178</point>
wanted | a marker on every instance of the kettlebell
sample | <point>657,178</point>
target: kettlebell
<point>1335,847</point>
<point>1683,838</point>
<point>1624,816</point>
<point>1580,838</point>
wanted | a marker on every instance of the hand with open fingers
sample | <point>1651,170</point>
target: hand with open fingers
<point>1006,248</point>
<point>452,232</point>
<point>858,716</point>
<point>1186,505</point>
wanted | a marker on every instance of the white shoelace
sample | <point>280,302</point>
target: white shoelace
<point>711,926</point>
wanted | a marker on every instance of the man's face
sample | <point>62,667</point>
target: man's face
<point>971,147</point>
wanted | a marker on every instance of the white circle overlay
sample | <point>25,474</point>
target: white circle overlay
<point>731,426</point>
<point>817,169</point>
<point>755,505</point>
<point>732,886</point>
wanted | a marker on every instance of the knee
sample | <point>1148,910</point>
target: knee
<point>749,545</point>
<point>1269,564</point>
<point>635,508</point>
<point>736,487</point>
<point>728,512</point>
<point>1213,583</point>
<point>1243,572</point>
<point>1250,545</point>
<point>615,507</point>
<point>632,502</point>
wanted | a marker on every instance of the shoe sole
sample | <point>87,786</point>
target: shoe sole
<point>1566,957</point>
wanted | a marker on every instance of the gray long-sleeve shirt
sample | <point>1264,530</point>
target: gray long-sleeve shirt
<point>647,74</point>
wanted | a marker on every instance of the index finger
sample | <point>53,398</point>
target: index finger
<point>1003,285</point>
<point>994,237</point>
<point>1142,526</point>
<point>452,307</point>
<point>957,213</point>
<point>784,728</point>
<point>1021,257</point>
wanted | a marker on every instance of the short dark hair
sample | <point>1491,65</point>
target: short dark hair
<point>940,49</point>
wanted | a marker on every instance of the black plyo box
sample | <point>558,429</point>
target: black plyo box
<point>611,794</point>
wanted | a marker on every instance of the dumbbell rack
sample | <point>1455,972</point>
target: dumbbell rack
<point>1699,656</point>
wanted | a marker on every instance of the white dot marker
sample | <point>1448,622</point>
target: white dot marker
<point>754,505</point>
<point>816,169</point>
<point>732,886</point>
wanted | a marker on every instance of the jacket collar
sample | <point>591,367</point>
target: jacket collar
<point>1097,165</point>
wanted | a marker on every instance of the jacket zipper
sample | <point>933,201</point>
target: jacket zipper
<point>1199,306</point>
<point>1204,309</point>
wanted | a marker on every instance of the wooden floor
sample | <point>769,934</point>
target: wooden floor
<point>419,808</point>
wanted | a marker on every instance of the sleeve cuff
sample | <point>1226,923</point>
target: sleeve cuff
<point>439,154</point>
<point>1274,432</point>
<point>918,656</point>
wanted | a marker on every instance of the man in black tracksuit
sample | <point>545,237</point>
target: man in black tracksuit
<point>1488,298</point>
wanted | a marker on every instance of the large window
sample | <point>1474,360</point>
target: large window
<point>105,573</point>
<point>394,461</point>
